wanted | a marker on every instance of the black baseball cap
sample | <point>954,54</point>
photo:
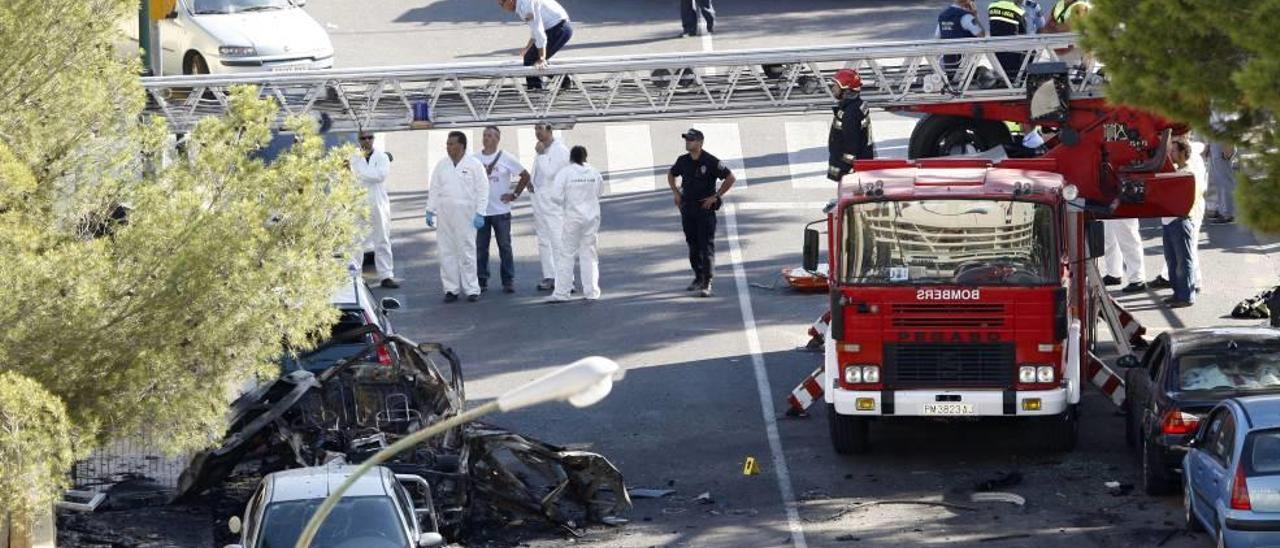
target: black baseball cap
<point>692,135</point>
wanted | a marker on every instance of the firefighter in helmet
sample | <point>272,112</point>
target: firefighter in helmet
<point>850,128</point>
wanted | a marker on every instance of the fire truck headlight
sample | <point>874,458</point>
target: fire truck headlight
<point>852,374</point>
<point>871,374</point>
<point>1026,374</point>
<point>1044,374</point>
<point>1070,192</point>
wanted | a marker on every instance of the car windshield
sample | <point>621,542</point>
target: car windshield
<point>967,242</point>
<point>1230,368</point>
<point>367,522</point>
<point>1265,457</point>
<point>201,7</point>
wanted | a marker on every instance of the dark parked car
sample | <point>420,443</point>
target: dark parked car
<point>363,322</point>
<point>1183,374</point>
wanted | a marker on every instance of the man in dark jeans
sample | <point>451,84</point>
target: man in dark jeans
<point>549,30</point>
<point>502,168</point>
<point>689,16</point>
<point>698,199</point>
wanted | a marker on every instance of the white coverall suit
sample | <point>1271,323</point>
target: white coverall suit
<point>579,188</point>
<point>372,173</point>
<point>548,216</point>
<point>458,193</point>
<point>1124,250</point>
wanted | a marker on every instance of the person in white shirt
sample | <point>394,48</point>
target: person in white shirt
<point>371,168</point>
<point>458,197</point>
<point>578,188</point>
<point>502,168</point>
<point>547,214</point>
<point>549,28</point>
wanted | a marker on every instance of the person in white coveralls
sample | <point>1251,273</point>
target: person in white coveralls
<point>578,188</point>
<point>459,195</point>
<point>552,157</point>
<point>371,167</point>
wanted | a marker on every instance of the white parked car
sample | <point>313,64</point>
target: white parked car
<point>229,36</point>
<point>378,511</point>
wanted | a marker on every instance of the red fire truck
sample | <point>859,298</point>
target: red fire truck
<point>960,286</point>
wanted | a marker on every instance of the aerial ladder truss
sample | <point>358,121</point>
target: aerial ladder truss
<point>609,89</point>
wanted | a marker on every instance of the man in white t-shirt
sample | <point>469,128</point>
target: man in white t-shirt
<point>504,170</point>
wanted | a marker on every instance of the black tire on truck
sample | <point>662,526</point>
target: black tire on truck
<point>1059,433</point>
<point>849,435</point>
<point>942,135</point>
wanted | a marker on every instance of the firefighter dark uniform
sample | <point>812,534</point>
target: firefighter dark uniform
<point>699,179</point>
<point>850,138</point>
<point>1008,18</point>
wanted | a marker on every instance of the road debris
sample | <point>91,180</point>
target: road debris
<point>704,498</point>
<point>1118,489</point>
<point>640,493</point>
<point>1002,481</point>
<point>1010,498</point>
<point>477,472</point>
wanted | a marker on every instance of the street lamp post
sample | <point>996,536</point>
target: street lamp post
<point>581,383</point>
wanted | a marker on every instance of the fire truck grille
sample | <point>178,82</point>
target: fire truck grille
<point>958,315</point>
<point>977,365</point>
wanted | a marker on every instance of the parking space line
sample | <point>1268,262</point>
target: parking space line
<point>807,154</point>
<point>762,382</point>
<point>630,158</point>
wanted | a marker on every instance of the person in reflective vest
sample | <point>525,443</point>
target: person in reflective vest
<point>1060,16</point>
<point>1008,18</point>
<point>850,127</point>
<point>959,20</point>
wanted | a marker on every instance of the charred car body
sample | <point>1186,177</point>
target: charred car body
<point>359,406</point>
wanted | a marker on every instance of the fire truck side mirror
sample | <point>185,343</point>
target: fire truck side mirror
<point>810,249</point>
<point>1095,240</point>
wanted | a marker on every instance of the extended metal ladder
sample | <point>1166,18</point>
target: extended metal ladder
<point>645,87</point>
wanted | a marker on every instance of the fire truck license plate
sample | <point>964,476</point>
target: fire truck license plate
<point>948,408</point>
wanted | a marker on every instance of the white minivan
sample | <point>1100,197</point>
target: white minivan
<point>231,36</point>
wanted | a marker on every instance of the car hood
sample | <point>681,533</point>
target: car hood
<point>273,33</point>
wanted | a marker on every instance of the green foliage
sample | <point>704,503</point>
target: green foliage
<point>35,447</point>
<point>1190,59</point>
<point>151,324</point>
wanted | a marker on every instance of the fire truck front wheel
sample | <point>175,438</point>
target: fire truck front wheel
<point>849,435</point>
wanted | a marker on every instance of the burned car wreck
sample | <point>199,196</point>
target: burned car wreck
<point>477,473</point>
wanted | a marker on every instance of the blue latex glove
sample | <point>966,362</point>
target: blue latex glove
<point>431,219</point>
<point>478,221</point>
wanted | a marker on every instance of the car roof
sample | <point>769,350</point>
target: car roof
<point>1263,410</point>
<point>348,293</point>
<point>317,482</point>
<point>1183,340</point>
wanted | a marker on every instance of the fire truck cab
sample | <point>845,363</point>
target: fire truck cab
<point>950,284</point>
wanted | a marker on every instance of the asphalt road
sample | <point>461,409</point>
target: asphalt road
<point>690,409</point>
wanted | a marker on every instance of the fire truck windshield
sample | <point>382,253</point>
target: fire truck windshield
<point>949,241</point>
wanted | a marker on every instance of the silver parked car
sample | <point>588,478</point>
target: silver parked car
<point>378,511</point>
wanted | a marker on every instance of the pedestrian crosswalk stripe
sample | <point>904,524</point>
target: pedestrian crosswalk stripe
<point>724,142</point>
<point>807,154</point>
<point>526,143</point>
<point>629,150</point>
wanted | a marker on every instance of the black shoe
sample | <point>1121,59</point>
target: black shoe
<point>1222,220</point>
<point>547,284</point>
<point>473,298</point>
<point>1135,287</point>
<point>450,297</point>
<point>706,290</point>
<point>688,34</point>
<point>484,288</point>
<point>695,285</point>
<point>508,288</point>
<point>1110,280</point>
<point>390,283</point>
<point>1159,283</point>
<point>1174,302</point>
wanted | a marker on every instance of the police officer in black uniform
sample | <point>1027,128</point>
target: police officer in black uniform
<point>959,20</point>
<point>698,199</point>
<point>850,137</point>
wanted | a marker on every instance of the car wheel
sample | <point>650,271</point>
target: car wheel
<point>849,435</point>
<point>1155,475</point>
<point>1188,513</point>
<point>195,64</point>
<point>1130,423</point>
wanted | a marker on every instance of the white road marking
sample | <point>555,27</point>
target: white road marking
<point>762,382</point>
<point>527,142</point>
<point>807,155</point>
<point>630,158</point>
<point>773,206</point>
<point>724,142</point>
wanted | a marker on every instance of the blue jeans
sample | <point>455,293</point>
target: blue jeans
<point>499,225</point>
<point>1179,257</point>
<point>557,37</point>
